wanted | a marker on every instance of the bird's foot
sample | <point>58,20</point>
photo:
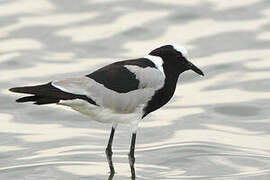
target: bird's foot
<point>131,164</point>
<point>109,153</point>
<point>131,159</point>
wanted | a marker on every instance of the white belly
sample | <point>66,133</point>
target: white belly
<point>101,114</point>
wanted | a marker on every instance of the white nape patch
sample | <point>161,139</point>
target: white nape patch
<point>180,49</point>
<point>157,61</point>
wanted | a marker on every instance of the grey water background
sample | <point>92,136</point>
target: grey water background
<point>215,127</point>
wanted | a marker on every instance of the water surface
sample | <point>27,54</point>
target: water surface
<point>216,127</point>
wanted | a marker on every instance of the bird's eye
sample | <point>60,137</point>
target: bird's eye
<point>179,56</point>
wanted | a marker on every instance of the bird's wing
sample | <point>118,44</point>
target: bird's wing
<point>121,87</point>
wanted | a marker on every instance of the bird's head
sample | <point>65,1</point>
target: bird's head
<point>175,57</point>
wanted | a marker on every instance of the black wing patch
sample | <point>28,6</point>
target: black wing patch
<point>118,78</point>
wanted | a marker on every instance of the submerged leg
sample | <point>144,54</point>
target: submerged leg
<point>109,149</point>
<point>132,149</point>
<point>131,155</point>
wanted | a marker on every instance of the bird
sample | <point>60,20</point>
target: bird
<point>123,92</point>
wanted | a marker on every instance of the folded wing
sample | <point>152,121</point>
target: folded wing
<point>120,87</point>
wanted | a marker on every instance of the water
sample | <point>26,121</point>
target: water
<point>216,127</point>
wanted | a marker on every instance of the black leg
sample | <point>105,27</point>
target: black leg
<point>131,155</point>
<point>109,152</point>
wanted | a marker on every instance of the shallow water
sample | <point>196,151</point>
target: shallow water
<point>216,127</point>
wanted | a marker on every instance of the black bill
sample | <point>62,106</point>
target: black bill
<point>195,69</point>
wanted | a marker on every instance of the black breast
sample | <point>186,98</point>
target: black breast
<point>163,95</point>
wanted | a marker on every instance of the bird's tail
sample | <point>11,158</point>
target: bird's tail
<point>29,89</point>
<point>41,94</point>
<point>46,94</point>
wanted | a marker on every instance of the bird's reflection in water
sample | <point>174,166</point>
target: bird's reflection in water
<point>111,176</point>
<point>132,170</point>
